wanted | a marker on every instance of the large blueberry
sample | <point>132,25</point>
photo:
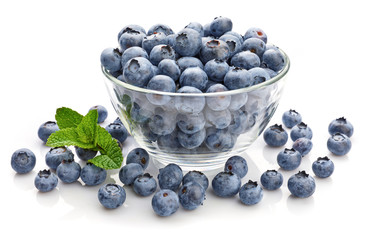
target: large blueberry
<point>191,195</point>
<point>339,144</point>
<point>214,49</point>
<point>236,78</point>
<point>23,160</point>
<point>111,195</point>
<point>170,177</point>
<point>220,25</point>
<point>246,60</point>
<point>194,77</point>
<point>216,69</point>
<point>46,129</point>
<point>226,184</point>
<point>301,185</point>
<point>110,58</point>
<point>54,156</point>
<point>188,42</point>
<point>45,181</point>
<point>165,202</point>
<point>341,125</point>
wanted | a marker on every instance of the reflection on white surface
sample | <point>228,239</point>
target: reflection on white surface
<point>300,206</point>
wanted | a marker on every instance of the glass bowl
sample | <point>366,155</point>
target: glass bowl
<point>181,128</point>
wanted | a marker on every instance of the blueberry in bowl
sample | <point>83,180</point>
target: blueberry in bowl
<point>197,116</point>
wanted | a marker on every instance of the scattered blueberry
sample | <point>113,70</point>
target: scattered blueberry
<point>226,184</point>
<point>250,193</point>
<point>85,154</point>
<point>45,181</point>
<point>165,202</point>
<point>301,130</point>
<point>68,171</point>
<point>23,160</point>
<point>301,185</point>
<point>138,155</point>
<point>275,136</point>
<point>92,175</point>
<point>102,113</point>
<point>339,144</point>
<point>46,129</point>
<point>117,131</point>
<point>271,180</point>
<point>144,185</point>
<point>291,118</point>
<point>341,125</point>
<point>289,159</point>
<point>128,173</point>
<point>54,156</point>
<point>237,165</point>
<point>323,167</point>
<point>170,177</point>
<point>196,176</point>
<point>111,195</point>
<point>303,145</point>
<point>191,195</point>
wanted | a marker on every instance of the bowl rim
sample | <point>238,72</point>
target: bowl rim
<point>271,81</point>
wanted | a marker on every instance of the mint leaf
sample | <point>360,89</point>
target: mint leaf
<point>109,148</point>
<point>67,118</point>
<point>87,129</point>
<point>67,137</point>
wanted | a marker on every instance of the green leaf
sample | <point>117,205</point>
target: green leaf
<point>104,161</point>
<point>87,129</point>
<point>67,118</point>
<point>67,137</point>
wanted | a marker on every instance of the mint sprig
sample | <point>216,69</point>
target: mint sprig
<point>84,132</point>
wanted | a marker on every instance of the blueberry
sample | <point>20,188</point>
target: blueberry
<point>236,78</point>
<point>144,185</point>
<point>303,146</point>
<point>275,136</point>
<point>271,73</point>
<point>341,125</point>
<point>68,171</point>
<point>194,77</point>
<point>218,103</point>
<point>273,59</point>
<point>291,118</point>
<point>138,71</point>
<point>140,113</point>
<point>111,195</point>
<point>187,62</point>
<point>216,70</point>
<point>219,140</point>
<point>220,25</point>
<point>131,27</point>
<point>128,173</point>
<point>171,40</point>
<point>160,28</point>
<point>102,113</point>
<point>45,181</point>
<point>150,41</point>
<point>339,144</point>
<point>289,159</point>
<point>165,202</point>
<point>235,45</point>
<point>240,122</point>
<point>250,193</point>
<point>214,49</point>
<point>169,142</point>
<point>255,32</point>
<point>188,42</point>
<point>271,180</point>
<point>206,29</point>
<point>301,130</point>
<point>117,131</point>
<point>198,177</point>
<point>237,165</point>
<point>219,119</point>
<point>258,75</point>
<point>191,123</point>
<point>226,184</point>
<point>197,27</point>
<point>110,58</point>
<point>161,52</point>
<point>133,52</point>
<point>170,177</point>
<point>46,129</point>
<point>138,155</point>
<point>254,45</point>
<point>237,101</point>
<point>191,195</point>
<point>246,60</point>
<point>191,141</point>
<point>85,154</point>
<point>323,167</point>
<point>169,68</point>
<point>162,122</point>
<point>92,175</point>
<point>147,133</point>
<point>189,104</point>
<point>301,185</point>
<point>54,156</point>
<point>161,83</point>
<point>23,160</point>
<point>130,39</point>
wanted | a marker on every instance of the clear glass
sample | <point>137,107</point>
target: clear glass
<point>181,128</point>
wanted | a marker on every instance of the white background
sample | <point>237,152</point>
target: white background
<point>49,55</point>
